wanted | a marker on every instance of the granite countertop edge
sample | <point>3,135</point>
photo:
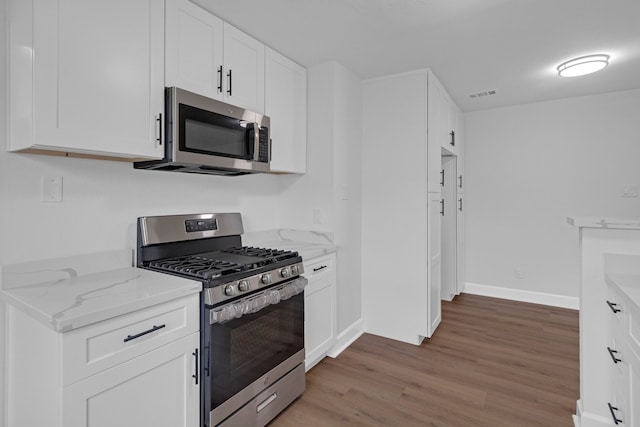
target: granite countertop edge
<point>604,222</point>
<point>68,301</point>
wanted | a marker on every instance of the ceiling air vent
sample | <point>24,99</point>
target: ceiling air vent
<point>483,93</point>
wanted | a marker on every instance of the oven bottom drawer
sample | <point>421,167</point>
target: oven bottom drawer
<point>265,406</point>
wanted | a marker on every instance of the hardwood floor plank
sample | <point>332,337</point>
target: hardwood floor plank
<point>491,363</point>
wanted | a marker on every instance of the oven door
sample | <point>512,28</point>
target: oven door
<point>248,345</point>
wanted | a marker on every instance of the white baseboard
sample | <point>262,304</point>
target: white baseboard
<point>346,338</point>
<point>524,296</point>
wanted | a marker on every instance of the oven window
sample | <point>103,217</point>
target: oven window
<point>244,349</point>
<point>210,133</point>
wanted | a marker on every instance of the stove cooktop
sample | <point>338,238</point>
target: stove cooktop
<point>232,263</point>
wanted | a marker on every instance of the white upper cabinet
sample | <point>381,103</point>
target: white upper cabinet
<point>212,58</point>
<point>243,70</point>
<point>286,104</point>
<point>460,141</point>
<point>435,113</point>
<point>86,77</point>
<point>193,49</point>
<point>444,126</point>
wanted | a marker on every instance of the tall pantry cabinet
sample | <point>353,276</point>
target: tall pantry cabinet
<point>401,206</point>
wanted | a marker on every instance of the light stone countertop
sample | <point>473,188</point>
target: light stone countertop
<point>309,244</point>
<point>599,222</point>
<point>68,293</point>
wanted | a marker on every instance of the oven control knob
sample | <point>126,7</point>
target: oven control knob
<point>229,290</point>
<point>294,270</point>
<point>285,272</point>
<point>243,286</point>
<point>266,278</point>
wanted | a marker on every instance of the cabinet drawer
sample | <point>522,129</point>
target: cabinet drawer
<point>96,347</point>
<point>320,267</point>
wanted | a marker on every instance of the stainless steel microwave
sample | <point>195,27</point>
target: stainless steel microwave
<point>206,136</point>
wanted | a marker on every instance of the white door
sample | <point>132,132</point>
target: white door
<point>449,283</point>
<point>434,254</point>
<point>156,389</point>
<point>243,70</point>
<point>460,238</point>
<point>193,47</point>
<point>99,76</point>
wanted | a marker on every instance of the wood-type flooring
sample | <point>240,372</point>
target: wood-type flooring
<point>491,362</point>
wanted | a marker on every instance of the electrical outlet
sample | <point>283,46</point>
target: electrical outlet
<point>51,189</point>
<point>317,216</point>
<point>629,191</point>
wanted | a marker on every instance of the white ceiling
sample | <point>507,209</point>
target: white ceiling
<point>512,46</point>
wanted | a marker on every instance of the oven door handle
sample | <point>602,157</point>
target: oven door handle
<point>255,303</point>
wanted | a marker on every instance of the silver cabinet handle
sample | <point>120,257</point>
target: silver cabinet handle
<point>267,401</point>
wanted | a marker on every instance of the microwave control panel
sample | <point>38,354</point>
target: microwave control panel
<point>263,145</point>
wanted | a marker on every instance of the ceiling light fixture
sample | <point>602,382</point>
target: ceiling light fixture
<point>583,65</point>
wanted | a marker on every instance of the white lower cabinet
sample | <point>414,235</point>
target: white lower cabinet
<point>623,362</point>
<point>156,389</point>
<point>138,369</point>
<point>320,328</point>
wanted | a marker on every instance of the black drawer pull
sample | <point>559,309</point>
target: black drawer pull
<point>611,353</point>
<point>195,376</point>
<point>612,306</point>
<point>612,409</point>
<point>133,337</point>
<point>322,267</point>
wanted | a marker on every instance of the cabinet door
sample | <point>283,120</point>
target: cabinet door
<point>320,327</point>
<point>243,70</point>
<point>434,150</point>
<point>194,46</point>
<point>97,84</point>
<point>319,321</point>
<point>460,141</point>
<point>156,389</point>
<point>448,228</point>
<point>460,241</point>
<point>286,104</point>
<point>434,255</point>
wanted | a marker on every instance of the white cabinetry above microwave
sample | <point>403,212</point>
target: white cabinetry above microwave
<point>286,105</point>
<point>80,84</point>
<point>210,57</point>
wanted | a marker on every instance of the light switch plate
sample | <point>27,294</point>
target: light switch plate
<point>51,189</point>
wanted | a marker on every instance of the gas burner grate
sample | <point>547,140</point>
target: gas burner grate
<point>271,255</point>
<point>198,266</point>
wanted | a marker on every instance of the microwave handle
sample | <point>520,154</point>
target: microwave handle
<point>256,142</point>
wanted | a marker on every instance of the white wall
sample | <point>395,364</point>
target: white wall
<point>347,194</point>
<point>528,167</point>
<point>3,185</point>
<point>333,182</point>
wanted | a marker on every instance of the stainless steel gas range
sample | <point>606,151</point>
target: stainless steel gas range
<point>252,313</point>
